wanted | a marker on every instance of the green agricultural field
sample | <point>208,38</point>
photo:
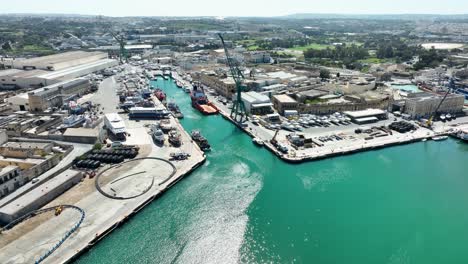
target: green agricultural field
<point>312,46</point>
<point>372,60</point>
<point>253,47</point>
<point>35,48</point>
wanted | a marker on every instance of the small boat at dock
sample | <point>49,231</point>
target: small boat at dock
<point>258,142</point>
<point>439,138</point>
<point>175,110</point>
<point>201,141</point>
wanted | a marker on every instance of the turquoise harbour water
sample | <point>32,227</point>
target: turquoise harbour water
<point>404,204</point>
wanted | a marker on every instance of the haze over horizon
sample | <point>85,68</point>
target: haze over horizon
<point>261,8</point>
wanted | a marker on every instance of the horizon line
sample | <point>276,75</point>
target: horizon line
<point>234,16</point>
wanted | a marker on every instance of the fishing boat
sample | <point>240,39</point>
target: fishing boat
<point>174,138</point>
<point>187,89</point>
<point>201,141</point>
<point>201,102</point>
<point>158,136</point>
<point>179,84</point>
<point>439,138</point>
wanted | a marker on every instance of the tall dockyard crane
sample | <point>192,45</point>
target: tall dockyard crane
<point>449,88</point>
<point>123,51</point>
<point>238,107</point>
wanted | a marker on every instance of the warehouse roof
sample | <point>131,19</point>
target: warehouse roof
<point>41,191</point>
<point>283,98</point>
<point>87,67</point>
<point>254,97</point>
<point>59,58</point>
<point>364,113</point>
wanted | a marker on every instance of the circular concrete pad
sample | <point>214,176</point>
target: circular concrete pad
<point>133,178</point>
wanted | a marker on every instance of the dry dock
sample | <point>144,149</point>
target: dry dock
<point>29,240</point>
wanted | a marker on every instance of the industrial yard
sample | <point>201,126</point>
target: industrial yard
<point>98,123</point>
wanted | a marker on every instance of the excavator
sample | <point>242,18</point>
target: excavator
<point>58,210</point>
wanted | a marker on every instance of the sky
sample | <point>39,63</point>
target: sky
<point>233,7</point>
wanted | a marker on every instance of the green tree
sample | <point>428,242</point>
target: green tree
<point>324,74</point>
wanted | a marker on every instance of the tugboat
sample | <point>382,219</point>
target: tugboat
<point>160,94</point>
<point>201,102</point>
<point>200,140</point>
<point>174,108</point>
<point>158,136</point>
<point>174,138</point>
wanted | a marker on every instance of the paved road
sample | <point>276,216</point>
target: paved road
<point>106,95</point>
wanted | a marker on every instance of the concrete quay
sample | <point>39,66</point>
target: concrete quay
<point>351,143</point>
<point>29,240</point>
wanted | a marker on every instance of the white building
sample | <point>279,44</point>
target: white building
<point>256,104</point>
<point>39,196</point>
<point>419,105</point>
<point>47,70</point>
<point>10,179</point>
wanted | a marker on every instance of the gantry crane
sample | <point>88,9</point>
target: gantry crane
<point>238,107</point>
<point>123,51</point>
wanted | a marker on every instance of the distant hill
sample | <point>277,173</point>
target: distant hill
<point>370,16</point>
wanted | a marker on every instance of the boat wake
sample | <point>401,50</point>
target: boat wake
<point>218,225</point>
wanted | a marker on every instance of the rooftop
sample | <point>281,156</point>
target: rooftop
<point>59,58</point>
<point>7,169</point>
<point>26,145</point>
<point>254,97</point>
<point>41,191</point>
<point>364,113</point>
<point>283,98</point>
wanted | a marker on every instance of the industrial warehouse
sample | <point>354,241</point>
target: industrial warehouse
<point>47,70</point>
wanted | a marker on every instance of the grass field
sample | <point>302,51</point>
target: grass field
<point>253,47</point>
<point>312,46</point>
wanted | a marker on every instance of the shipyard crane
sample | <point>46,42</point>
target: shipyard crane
<point>123,51</point>
<point>273,140</point>
<point>449,88</point>
<point>238,107</point>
